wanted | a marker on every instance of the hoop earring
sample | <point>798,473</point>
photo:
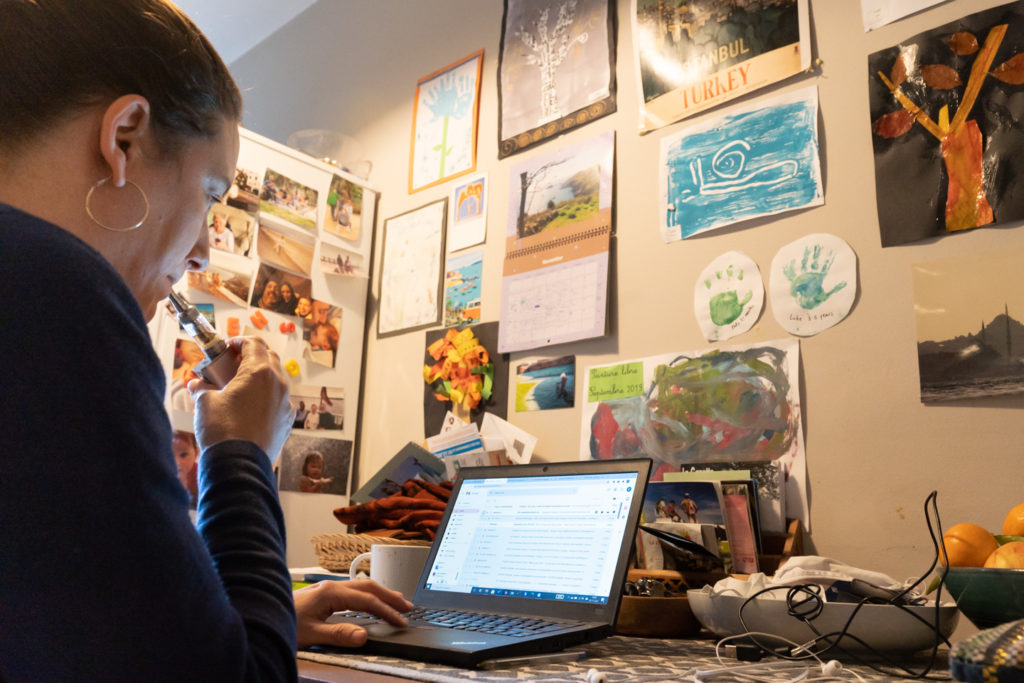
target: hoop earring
<point>88,207</point>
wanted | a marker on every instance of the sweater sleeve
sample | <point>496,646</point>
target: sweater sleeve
<point>102,574</point>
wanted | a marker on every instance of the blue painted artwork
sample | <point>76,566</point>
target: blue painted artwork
<point>755,163</point>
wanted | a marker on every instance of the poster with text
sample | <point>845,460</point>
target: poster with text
<point>736,406</point>
<point>556,69</point>
<point>695,54</point>
<point>947,107</point>
<point>758,161</point>
<point>555,276</point>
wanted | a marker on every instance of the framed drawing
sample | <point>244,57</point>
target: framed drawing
<point>444,122</point>
<point>556,69</point>
<point>412,268</point>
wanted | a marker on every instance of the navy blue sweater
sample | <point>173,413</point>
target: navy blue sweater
<point>102,575</point>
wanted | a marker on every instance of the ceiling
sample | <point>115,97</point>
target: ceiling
<point>236,26</point>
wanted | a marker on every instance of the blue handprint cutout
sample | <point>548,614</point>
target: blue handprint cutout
<point>806,287</point>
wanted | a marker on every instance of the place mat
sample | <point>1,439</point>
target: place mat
<point>619,658</point>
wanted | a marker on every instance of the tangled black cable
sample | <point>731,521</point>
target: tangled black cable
<point>805,602</point>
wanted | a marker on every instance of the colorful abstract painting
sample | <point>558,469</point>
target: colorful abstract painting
<point>946,114</point>
<point>556,69</point>
<point>695,54</point>
<point>756,162</point>
<point>444,122</point>
<point>731,405</point>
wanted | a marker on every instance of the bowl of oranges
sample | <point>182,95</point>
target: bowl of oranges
<point>984,572</point>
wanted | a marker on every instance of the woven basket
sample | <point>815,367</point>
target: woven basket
<point>335,552</point>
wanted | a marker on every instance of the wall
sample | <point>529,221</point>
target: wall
<point>874,452</point>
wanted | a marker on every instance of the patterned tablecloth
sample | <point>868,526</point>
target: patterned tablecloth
<point>648,660</point>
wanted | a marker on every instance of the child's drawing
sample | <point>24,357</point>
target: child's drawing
<point>813,283</point>
<point>728,297</point>
<point>739,166</point>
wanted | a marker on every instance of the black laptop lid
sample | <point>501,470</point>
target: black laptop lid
<point>545,539</point>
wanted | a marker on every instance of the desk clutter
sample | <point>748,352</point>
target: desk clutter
<point>617,658</point>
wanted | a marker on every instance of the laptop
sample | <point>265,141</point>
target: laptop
<point>527,559</point>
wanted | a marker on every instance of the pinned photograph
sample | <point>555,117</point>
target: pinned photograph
<point>337,261</point>
<point>285,250</point>
<point>279,291</point>
<point>288,200</point>
<point>344,209</point>
<point>312,464</point>
<point>187,355</point>
<point>244,194</point>
<point>230,229</point>
<point>223,283</point>
<point>186,457</point>
<point>462,288</point>
<point>318,407</point>
<point>543,384</point>
<point>321,330</point>
<point>468,224</point>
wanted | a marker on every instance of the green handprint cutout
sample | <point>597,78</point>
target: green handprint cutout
<point>807,288</point>
<point>726,306</point>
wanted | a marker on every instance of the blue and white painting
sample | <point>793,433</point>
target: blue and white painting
<point>444,123</point>
<point>743,165</point>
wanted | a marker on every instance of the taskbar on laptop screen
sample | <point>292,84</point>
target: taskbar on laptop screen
<point>535,595</point>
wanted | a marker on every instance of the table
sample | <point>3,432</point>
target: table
<point>620,658</point>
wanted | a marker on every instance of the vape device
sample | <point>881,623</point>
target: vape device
<point>220,364</point>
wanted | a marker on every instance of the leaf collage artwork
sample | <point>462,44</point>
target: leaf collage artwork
<point>946,128</point>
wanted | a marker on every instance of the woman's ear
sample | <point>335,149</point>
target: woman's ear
<point>126,122</point>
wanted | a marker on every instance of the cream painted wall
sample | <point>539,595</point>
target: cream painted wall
<point>874,452</point>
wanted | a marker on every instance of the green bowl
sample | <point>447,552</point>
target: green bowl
<point>988,597</point>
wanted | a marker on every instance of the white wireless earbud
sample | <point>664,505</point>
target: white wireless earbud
<point>831,667</point>
<point>595,676</point>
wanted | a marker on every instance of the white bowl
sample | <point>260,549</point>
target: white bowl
<point>882,627</point>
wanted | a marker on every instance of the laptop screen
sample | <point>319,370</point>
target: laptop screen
<point>547,537</point>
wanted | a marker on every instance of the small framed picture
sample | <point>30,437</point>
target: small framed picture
<point>412,269</point>
<point>444,123</point>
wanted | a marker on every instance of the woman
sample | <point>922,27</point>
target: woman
<point>288,301</point>
<point>119,131</point>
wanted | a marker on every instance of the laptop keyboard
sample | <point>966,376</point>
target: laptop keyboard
<point>498,624</point>
<point>504,625</point>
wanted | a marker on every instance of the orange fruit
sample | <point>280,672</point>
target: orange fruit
<point>1013,525</point>
<point>1007,556</point>
<point>968,545</point>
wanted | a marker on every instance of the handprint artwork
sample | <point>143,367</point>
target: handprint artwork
<point>728,296</point>
<point>813,283</point>
<point>806,286</point>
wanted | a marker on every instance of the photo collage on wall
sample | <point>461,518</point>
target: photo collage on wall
<point>289,259</point>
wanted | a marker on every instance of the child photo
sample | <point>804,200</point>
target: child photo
<point>321,331</point>
<point>344,209</point>
<point>311,464</point>
<point>284,250</point>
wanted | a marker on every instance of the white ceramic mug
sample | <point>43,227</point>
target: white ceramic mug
<point>397,567</point>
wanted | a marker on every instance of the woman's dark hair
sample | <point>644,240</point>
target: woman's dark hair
<point>59,56</point>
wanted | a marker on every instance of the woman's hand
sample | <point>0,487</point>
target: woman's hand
<point>253,406</point>
<point>314,604</point>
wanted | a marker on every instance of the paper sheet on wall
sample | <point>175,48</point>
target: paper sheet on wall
<point>758,161</point>
<point>813,284</point>
<point>728,297</point>
<point>878,13</point>
<point>467,224</point>
<point>555,276</point>
<point>731,407</point>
